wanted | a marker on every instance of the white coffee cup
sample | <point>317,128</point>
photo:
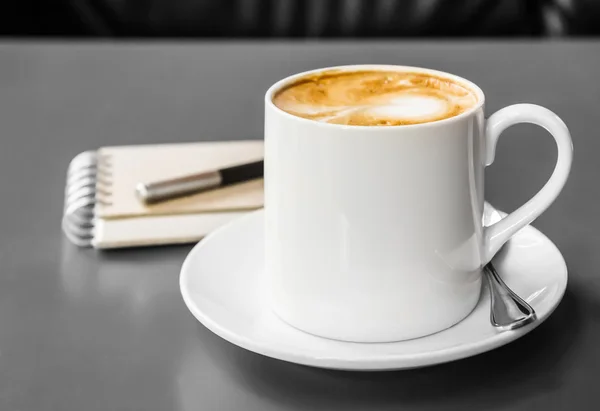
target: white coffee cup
<point>374,234</point>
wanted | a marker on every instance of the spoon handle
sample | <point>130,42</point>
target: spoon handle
<point>509,311</point>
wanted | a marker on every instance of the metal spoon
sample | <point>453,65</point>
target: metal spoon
<point>508,311</point>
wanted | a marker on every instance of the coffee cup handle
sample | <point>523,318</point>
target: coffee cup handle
<point>497,234</point>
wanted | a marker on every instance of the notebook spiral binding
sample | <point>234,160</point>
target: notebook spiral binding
<point>89,182</point>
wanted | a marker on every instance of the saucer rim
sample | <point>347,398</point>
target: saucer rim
<point>383,362</point>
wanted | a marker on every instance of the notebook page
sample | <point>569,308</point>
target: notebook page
<point>122,167</point>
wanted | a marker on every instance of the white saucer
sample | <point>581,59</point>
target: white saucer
<point>223,286</point>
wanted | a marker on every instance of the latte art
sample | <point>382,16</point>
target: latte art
<point>375,98</point>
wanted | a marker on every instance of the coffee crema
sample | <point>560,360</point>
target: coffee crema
<point>374,98</point>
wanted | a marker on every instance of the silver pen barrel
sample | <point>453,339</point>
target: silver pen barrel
<point>177,187</point>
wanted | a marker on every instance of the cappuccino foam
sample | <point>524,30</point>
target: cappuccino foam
<point>375,98</point>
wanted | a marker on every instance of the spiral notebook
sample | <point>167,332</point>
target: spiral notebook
<point>102,211</point>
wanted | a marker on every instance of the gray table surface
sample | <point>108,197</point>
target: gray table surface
<point>88,330</point>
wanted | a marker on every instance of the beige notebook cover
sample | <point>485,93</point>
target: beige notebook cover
<point>121,220</point>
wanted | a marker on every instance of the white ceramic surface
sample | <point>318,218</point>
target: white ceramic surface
<point>366,227</point>
<point>223,284</point>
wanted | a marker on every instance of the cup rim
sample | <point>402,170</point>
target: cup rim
<point>380,67</point>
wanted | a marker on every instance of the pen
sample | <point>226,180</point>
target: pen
<point>154,192</point>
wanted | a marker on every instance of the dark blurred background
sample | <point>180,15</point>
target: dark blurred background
<point>298,18</point>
